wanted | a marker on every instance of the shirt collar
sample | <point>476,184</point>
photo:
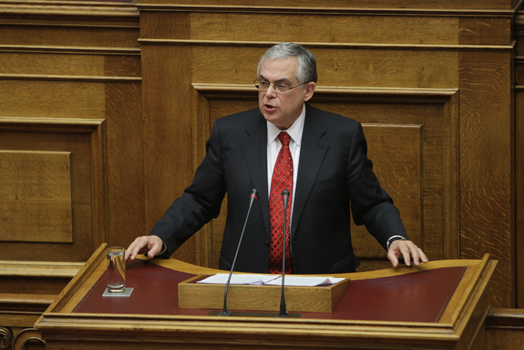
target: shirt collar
<point>295,130</point>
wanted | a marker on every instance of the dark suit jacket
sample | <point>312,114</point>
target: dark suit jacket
<point>334,173</point>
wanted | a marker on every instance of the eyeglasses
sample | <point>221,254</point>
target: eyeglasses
<point>280,88</point>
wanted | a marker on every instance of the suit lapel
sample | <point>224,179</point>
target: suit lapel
<point>255,154</point>
<point>312,153</point>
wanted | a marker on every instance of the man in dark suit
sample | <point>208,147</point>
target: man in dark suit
<point>330,173</point>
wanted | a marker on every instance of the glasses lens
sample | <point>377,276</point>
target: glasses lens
<point>280,88</point>
<point>263,85</point>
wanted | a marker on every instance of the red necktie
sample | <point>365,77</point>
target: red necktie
<point>282,180</point>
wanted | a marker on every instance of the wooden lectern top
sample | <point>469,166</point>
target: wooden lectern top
<point>421,296</point>
<point>440,303</point>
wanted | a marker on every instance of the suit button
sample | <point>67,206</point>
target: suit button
<point>267,243</point>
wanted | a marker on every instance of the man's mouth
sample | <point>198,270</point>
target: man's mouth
<point>269,107</point>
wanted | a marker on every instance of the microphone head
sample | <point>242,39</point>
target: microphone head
<point>254,193</point>
<point>285,193</point>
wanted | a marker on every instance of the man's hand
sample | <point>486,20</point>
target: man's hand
<point>407,250</point>
<point>150,245</point>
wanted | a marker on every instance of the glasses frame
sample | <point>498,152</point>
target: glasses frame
<point>275,87</point>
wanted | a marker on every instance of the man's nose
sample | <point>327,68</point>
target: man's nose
<point>271,91</point>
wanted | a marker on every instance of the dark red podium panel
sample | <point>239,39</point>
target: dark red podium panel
<point>415,297</point>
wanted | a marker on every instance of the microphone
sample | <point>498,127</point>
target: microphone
<point>224,311</point>
<point>283,313</point>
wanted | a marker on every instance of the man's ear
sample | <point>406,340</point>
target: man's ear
<point>310,90</point>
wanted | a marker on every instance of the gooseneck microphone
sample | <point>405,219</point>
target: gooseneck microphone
<point>224,311</point>
<point>283,313</point>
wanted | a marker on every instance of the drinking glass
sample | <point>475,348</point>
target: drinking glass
<point>116,270</point>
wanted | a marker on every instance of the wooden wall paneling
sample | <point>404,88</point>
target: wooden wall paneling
<point>486,170</point>
<point>31,64</point>
<point>341,66</point>
<point>519,234</point>
<point>35,196</point>
<point>56,34</point>
<point>125,163</point>
<point>76,61</point>
<point>168,129</point>
<point>451,184</point>
<point>159,25</point>
<point>479,340</point>
<point>505,329</point>
<point>519,154</point>
<point>68,70</point>
<point>83,138</point>
<point>492,30</point>
<point>99,185</point>
<point>40,98</point>
<point>342,28</point>
<point>88,97</point>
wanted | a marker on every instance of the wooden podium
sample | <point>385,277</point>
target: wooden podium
<point>439,305</point>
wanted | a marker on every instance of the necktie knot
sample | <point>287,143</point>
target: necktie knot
<point>284,138</point>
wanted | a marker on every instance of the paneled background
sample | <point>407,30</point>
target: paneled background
<point>105,108</point>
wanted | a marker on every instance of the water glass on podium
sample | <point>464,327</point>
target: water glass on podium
<point>116,270</point>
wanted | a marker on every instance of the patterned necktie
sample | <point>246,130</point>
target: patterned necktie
<point>282,179</point>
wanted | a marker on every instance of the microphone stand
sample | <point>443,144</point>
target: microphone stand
<point>224,311</point>
<point>283,313</point>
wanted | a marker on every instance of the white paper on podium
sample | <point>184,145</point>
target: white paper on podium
<point>307,281</point>
<point>221,278</point>
<point>271,280</point>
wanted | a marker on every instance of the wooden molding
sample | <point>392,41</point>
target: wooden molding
<point>190,42</point>
<point>505,318</point>
<point>79,78</point>
<point>335,93</point>
<point>6,337</point>
<point>28,338</point>
<point>68,125</point>
<point>90,50</point>
<point>39,269</point>
<point>87,8</point>
<point>325,10</point>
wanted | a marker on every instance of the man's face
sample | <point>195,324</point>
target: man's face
<point>282,109</point>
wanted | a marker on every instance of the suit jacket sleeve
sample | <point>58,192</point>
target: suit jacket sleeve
<point>370,204</point>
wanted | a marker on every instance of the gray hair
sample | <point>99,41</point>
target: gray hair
<point>307,63</point>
